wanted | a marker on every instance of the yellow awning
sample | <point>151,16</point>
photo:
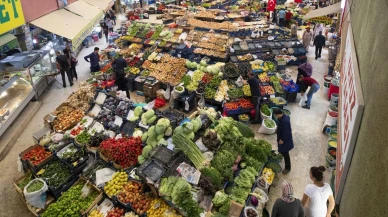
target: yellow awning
<point>332,9</point>
<point>104,5</point>
<point>85,10</point>
<point>62,22</point>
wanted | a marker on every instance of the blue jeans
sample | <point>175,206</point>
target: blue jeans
<point>313,89</point>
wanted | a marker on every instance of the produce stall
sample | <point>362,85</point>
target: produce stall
<point>113,157</point>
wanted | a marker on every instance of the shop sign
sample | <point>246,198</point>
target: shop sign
<point>11,15</point>
<point>351,107</point>
<point>324,19</point>
<point>87,30</point>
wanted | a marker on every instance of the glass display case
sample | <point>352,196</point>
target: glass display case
<point>14,96</point>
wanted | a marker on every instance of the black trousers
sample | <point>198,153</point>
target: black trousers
<point>287,160</point>
<point>73,70</point>
<point>318,51</point>
<point>69,75</point>
<point>95,68</point>
<point>256,105</point>
<point>106,37</point>
<point>122,84</point>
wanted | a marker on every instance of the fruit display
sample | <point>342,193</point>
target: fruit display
<point>228,26</point>
<point>71,203</point>
<point>222,92</point>
<point>106,118</point>
<point>267,90</point>
<point>110,103</point>
<point>95,213</point>
<point>268,175</point>
<point>80,99</point>
<point>122,108</point>
<point>263,77</point>
<point>159,207</point>
<point>244,103</point>
<point>96,139</point>
<point>115,212</point>
<point>67,117</point>
<point>132,194</point>
<point>231,105</point>
<point>123,151</point>
<point>36,155</point>
<point>116,184</point>
<point>246,90</point>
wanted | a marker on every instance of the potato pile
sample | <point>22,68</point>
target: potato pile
<point>170,69</point>
<point>67,117</point>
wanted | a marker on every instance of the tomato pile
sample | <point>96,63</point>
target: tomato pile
<point>36,155</point>
<point>116,212</point>
<point>244,103</point>
<point>133,193</point>
<point>76,130</point>
<point>207,78</point>
<point>122,151</point>
<point>231,105</point>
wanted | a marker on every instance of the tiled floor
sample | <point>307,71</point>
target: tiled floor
<point>310,143</point>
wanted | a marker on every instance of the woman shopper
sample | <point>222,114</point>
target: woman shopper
<point>73,61</point>
<point>304,84</point>
<point>317,194</point>
<point>287,205</point>
<point>305,69</point>
<point>306,38</point>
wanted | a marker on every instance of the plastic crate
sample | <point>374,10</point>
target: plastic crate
<point>27,165</point>
<point>174,116</point>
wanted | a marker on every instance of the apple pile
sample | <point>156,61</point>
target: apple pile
<point>132,193</point>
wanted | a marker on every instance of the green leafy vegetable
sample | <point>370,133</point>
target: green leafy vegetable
<point>223,162</point>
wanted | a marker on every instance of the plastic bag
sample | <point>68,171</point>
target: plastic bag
<point>85,190</point>
<point>56,138</point>
<point>266,130</point>
<point>302,101</point>
<point>264,117</point>
<point>240,81</point>
<point>46,139</point>
<point>150,105</point>
<point>168,92</point>
<point>36,198</point>
<point>201,102</point>
<point>187,106</point>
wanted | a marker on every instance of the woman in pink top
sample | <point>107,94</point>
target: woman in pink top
<point>317,194</point>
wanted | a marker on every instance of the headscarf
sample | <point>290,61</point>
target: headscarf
<point>288,192</point>
<point>308,68</point>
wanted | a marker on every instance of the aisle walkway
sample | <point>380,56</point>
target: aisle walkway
<point>310,143</point>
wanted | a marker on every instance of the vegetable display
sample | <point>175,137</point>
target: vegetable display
<point>246,90</point>
<point>122,108</point>
<point>55,173</point>
<point>124,151</point>
<point>159,207</point>
<point>35,186</point>
<point>96,139</point>
<point>190,149</point>
<point>36,155</point>
<point>116,212</point>
<point>70,203</point>
<point>148,117</point>
<point>210,140</point>
<point>268,175</point>
<point>235,92</point>
<point>223,162</point>
<point>274,166</point>
<point>265,110</point>
<point>83,138</point>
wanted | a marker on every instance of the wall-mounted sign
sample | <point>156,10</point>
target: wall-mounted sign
<point>11,15</point>
<point>351,108</point>
<point>324,19</point>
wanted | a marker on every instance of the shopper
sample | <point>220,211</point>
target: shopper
<point>73,61</point>
<point>107,16</point>
<point>294,30</point>
<point>105,29</point>
<point>316,195</point>
<point>109,23</point>
<point>119,65</point>
<point>113,17</point>
<point>319,42</point>
<point>254,85</point>
<point>63,65</point>
<point>304,83</point>
<point>94,59</point>
<point>306,38</point>
<point>281,15</point>
<point>284,138</point>
<point>318,28</point>
<point>288,18</point>
<point>287,205</point>
<point>305,69</point>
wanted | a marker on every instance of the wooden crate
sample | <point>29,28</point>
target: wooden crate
<point>38,211</point>
<point>16,182</point>
<point>98,198</point>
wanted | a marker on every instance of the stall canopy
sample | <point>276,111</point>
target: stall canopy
<point>7,42</point>
<point>104,5</point>
<point>75,22</point>
<point>332,9</point>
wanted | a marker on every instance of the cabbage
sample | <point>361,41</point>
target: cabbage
<point>151,120</point>
<point>162,141</point>
<point>216,69</point>
<point>187,127</point>
<point>203,68</point>
<point>133,118</point>
<point>196,125</point>
<point>178,129</point>
<point>159,137</point>
<point>137,133</point>
<point>146,151</point>
<point>188,63</point>
<point>144,137</point>
<point>220,198</point>
<point>138,111</point>
<point>168,131</point>
<point>151,132</point>
<point>191,136</point>
<point>159,129</point>
<point>151,141</point>
<point>149,114</point>
<point>198,66</point>
<point>220,74</point>
<point>193,65</point>
<point>203,63</point>
<point>164,121</point>
<point>140,159</point>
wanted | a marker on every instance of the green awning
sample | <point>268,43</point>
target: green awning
<point>7,42</point>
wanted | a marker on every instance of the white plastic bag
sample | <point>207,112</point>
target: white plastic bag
<point>264,117</point>
<point>168,92</point>
<point>266,130</point>
<point>36,198</point>
<point>240,81</point>
<point>150,105</point>
<point>201,102</point>
<point>303,100</point>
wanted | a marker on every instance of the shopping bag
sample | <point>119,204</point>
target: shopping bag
<point>167,93</point>
<point>267,130</point>
<point>201,102</point>
<point>302,101</point>
<point>240,81</point>
<point>36,198</point>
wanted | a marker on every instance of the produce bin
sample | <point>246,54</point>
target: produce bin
<point>174,116</point>
<point>131,82</point>
<point>27,165</point>
<point>151,169</point>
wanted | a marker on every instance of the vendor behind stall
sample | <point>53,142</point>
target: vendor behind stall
<point>119,65</point>
<point>254,85</point>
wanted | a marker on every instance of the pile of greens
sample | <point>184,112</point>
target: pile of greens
<point>222,202</point>
<point>226,129</point>
<point>178,191</point>
<point>210,140</point>
<point>211,180</point>
<point>257,149</point>
<point>223,162</point>
<point>265,110</point>
<point>269,123</point>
